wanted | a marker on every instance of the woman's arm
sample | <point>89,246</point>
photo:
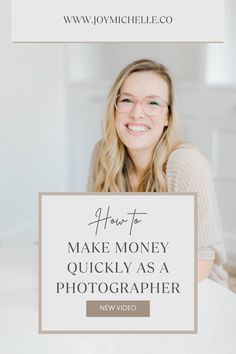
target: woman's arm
<point>189,171</point>
<point>203,269</point>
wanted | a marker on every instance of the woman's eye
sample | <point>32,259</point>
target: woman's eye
<point>126,100</point>
<point>155,103</point>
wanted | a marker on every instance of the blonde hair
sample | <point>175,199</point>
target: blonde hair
<point>113,164</point>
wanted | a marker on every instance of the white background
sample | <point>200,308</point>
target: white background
<point>46,142</point>
<point>48,130</point>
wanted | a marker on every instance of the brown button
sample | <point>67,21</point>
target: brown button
<point>118,308</point>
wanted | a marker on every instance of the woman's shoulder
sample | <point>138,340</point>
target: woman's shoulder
<point>188,166</point>
<point>187,156</point>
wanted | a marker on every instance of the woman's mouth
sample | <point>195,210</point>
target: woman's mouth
<point>137,129</point>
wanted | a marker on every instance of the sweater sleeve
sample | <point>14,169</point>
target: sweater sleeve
<point>189,171</point>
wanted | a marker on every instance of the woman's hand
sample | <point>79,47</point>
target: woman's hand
<point>203,269</point>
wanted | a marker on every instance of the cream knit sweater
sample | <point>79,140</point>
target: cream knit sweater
<point>189,171</point>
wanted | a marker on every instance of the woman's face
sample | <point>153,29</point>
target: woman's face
<point>141,125</point>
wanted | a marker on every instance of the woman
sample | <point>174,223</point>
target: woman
<point>141,151</point>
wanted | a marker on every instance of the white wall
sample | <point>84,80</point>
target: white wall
<point>221,58</point>
<point>32,128</point>
<point>103,61</point>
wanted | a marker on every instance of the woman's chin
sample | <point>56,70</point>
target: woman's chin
<point>136,146</point>
<point>140,143</point>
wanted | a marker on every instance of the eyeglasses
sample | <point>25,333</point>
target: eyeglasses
<point>151,105</point>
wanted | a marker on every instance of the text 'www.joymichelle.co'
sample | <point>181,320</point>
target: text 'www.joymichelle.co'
<point>118,20</point>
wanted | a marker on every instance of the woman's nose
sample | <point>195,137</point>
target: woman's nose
<point>137,111</point>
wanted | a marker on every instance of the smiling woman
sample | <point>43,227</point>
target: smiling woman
<point>141,151</point>
<point>140,131</point>
<point>141,116</point>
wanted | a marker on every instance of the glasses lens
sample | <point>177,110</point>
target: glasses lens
<point>124,104</point>
<point>152,106</point>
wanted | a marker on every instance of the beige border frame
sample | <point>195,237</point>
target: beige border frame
<point>41,331</point>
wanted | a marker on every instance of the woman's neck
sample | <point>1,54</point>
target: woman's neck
<point>141,161</point>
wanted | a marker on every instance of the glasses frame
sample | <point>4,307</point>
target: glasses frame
<point>163,104</point>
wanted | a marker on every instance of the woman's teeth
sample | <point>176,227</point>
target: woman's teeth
<point>137,128</point>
